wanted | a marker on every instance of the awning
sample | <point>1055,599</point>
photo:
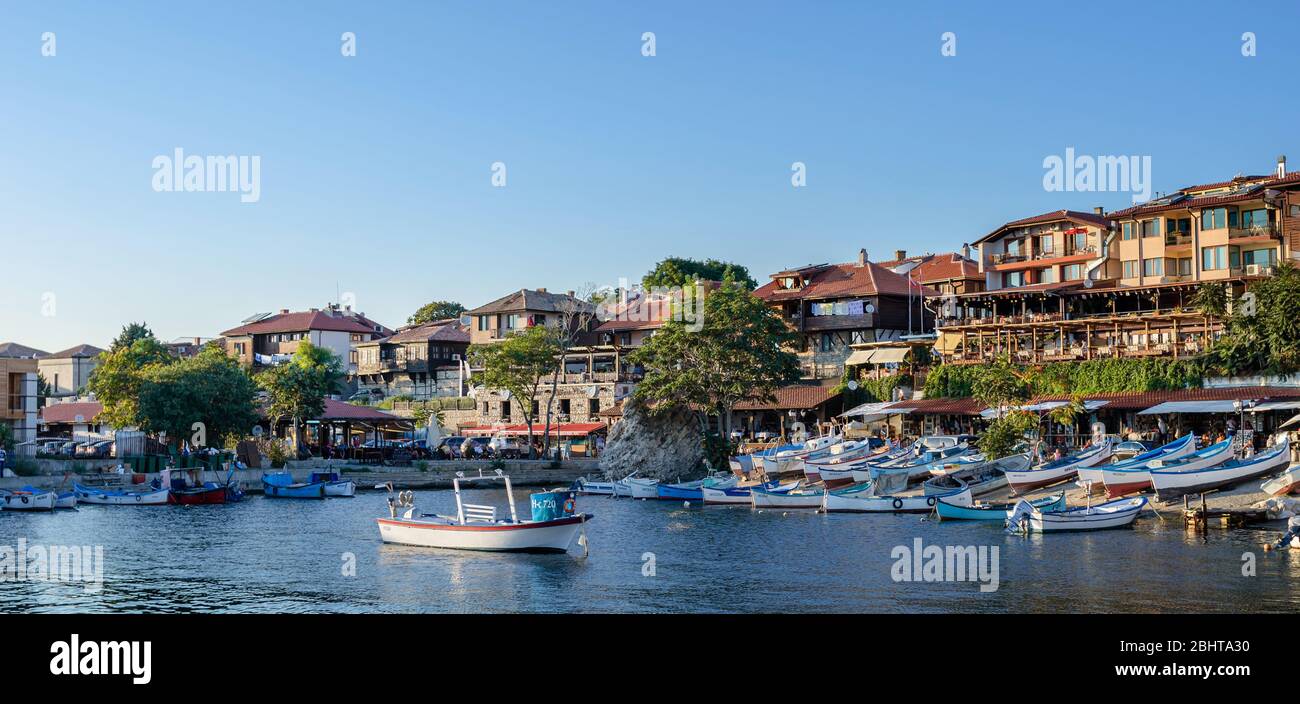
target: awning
<point>1044,407</point>
<point>1295,421</point>
<point>1275,406</point>
<point>859,357</point>
<point>948,342</point>
<point>890,355</point>
<point>1190,407</point>
<point>870,411</point>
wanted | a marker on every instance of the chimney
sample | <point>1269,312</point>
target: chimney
<point>570,294</point>
<point>965,251</point>
<point>541,290</point>
<point>1099,210</point>
<point>1281,166</point>
<point>284,311</point>
<point>900,254</point>
<point>862,257</point>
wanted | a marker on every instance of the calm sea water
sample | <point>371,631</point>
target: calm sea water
<point>268,555</point>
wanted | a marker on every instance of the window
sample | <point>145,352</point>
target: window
<point>56,382</point>
<point>1045,244</point>
<point>1079,241</point>
<point>1214,218</point>
<point>1214,258</point>
<point>1185,266</point>
<point>1259,257</point>
<point>483,323</point>
<point>1126,231</point>
<point>1150,228</point>
<point>1178,226</point>
<point>1047,276</point>
<point>1254,218</point>
<point>1130,269</point>
<point>1013,247</point>
<point>827,342</point>
<point>505,410</point>
<point>1153,267</point>
<point>1072,272</point>
<point>625,338</point>
<point>352,356</point>
<point>593,406</point>
<point>239,348</point>
<point>1011,279</point>
<point>564,406</point>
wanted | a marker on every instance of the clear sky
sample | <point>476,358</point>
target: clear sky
<point>376,169</point>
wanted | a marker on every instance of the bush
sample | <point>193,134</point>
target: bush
<point>276,452</point>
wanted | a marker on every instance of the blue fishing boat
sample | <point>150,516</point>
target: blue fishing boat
<point>334,484</point>
<point>742,494</point>
<point>694,491</point>
<point>280,485</point>
<point>995,512</point>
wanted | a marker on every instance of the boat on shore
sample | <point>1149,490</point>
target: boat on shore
<point>1285,483</point>
<point>155,495</point>
<point>994,512</point>
<point>1112,514</point>
<point>635,487</point>
<point>28,500</point>
<point>280,485</point>
<point>595,487</point>
<point>839,457</point>
<point>981,477</point>
<point>1175,481</point>
<point>862,498</point>
<point>788,461</point>
<point>1057,471</point>
<point>553,526</point>
<point>1092,479</point>
<point>1130,478</point>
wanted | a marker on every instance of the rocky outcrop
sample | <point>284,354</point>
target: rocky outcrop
<point>663,446</point>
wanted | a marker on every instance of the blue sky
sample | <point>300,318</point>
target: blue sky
<point>376,169</point>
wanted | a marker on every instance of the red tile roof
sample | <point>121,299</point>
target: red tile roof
<point>1137,400</point>
<point>965,406</point>
<point>68,412</point>
<point>802,396</point>
<point>935,268</point>
<point>74,352</point>
<point>1074,216</point>
<point>437,331</point>
<point>843,281</point>
<point>1252,188</point>
<point>302,322</point>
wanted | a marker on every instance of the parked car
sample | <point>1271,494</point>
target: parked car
<point>506,447</point>
<point>448,447</point>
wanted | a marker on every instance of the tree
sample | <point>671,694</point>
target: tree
<point>1263,332</point>
<point>117,380</point>
<point>297,388</point>
<point>739,353</point>
<point>42,390</point>
<point>203,399</point>
<point>519,364</point>
<point>1000,385</point>
<point>130,335</point>
<point>436,310</point>
<point>677,271</point>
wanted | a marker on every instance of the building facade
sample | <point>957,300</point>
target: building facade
<point>67,371</point>
<point>420,361</point>
<point>18,391</point>
<point>271,338</point>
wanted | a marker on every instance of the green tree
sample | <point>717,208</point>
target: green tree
<point>1000,385</point>
<point>203,399</point>
<point>1263,332</point>
<point>297,389</point>
<point>130,334</point>
<point>436,310</point>
<point>117,380</point>
<point>737,352</point>
<point>677,271</point>
<point>6,437</point>
<point>1002,435</point>
<point>42,390</point>
<point>519,364</point>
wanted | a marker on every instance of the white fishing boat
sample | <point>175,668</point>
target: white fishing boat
<point>1129,478</point>
<point>334,484</point>
<point>635,487</point>
<point>981,477</point>
<point>1285,483</point>
<point>801,497</point>
<point>1175,481</point>
<point>838,456</point>
<point>28,500</point>
<point>741,494</point>
<point>1092,479</point>
<point>477,527</point>
<point>1057,471</point>
<point>1113,514</point>
<point>597,488</point>
<point>863,499</point>
<point>788,461</point>
<point>150,496</point>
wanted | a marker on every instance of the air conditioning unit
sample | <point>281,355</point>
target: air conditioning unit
<point>1253,270</point>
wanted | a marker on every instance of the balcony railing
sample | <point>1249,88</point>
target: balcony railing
<point>1178,238</point>
<point>1010,258</point>
<point>1268,230</point>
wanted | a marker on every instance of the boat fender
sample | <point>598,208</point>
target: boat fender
<point>929,501</point>
<point>898,503</point>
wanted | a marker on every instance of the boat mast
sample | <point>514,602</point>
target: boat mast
<point>510,493</point>
<point>460,508</point>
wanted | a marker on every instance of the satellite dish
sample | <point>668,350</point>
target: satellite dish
<point>1087,283</point>
<point>853,385</point>
<point>869,308</point>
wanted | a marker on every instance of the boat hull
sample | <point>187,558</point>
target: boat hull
<point>993,512</point>
<point>346,488</point>
<point>197,497</point>
<point>1170,485</point>
<point>1025,481</point>
<point>766,499</point>
<point>1115,514</point>
<point>42,501</point>
<point>848,503</point>
<point>87,495</point>
<point>294,491</point>
<point>1285,483</point>
<point>543,536</point>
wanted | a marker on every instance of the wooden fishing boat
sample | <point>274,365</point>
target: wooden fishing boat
<point>637,488</point>
<point>800,497</point>
<point>1056,471</point>
<point>693,491</point>
<point>24,500</point>
<point>1092,479</point>
<point>740,494</point>
<point>787,462</point>
<point>1113,514</point>
<point>1175,481</point>
<point>994,512</point>
<point>598,488</point>
<point>280,485</point>
<point>981,477</point>
<point>862,499</point>
<point>839,456</point>
<point>334,484</point>
<point>65,499</point>
<point>477,527</point>
<point>155,495</point>
<point>1285,483</point>
<point>1128,478</point>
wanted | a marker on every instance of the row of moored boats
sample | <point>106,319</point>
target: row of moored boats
<point>176,486</point>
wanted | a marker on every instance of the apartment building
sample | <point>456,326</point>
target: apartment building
<point>67,371</point>
<point>18,409</point>
<point>272,338</point>
<point>420,361</point>
<point>520,310</point>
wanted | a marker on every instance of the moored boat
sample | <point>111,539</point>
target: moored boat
<point>553,526</point>
<point>1112,514</point>
<point>994,512</point>
<point>1173,482</point>
<point>800,497</point>
<point>25,500</point>
<point>280,485</point>
<point>155,495</point>
<point>693,491</point>
<point>1130,478</point>
<point>740,494</point>
<point>636,487</point>
<point>862,498</point>
<point>594,487</point>
<point>334,484</point>
<point>1093,480</point>
<point>1056,471</point>
<point>981,477</point>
